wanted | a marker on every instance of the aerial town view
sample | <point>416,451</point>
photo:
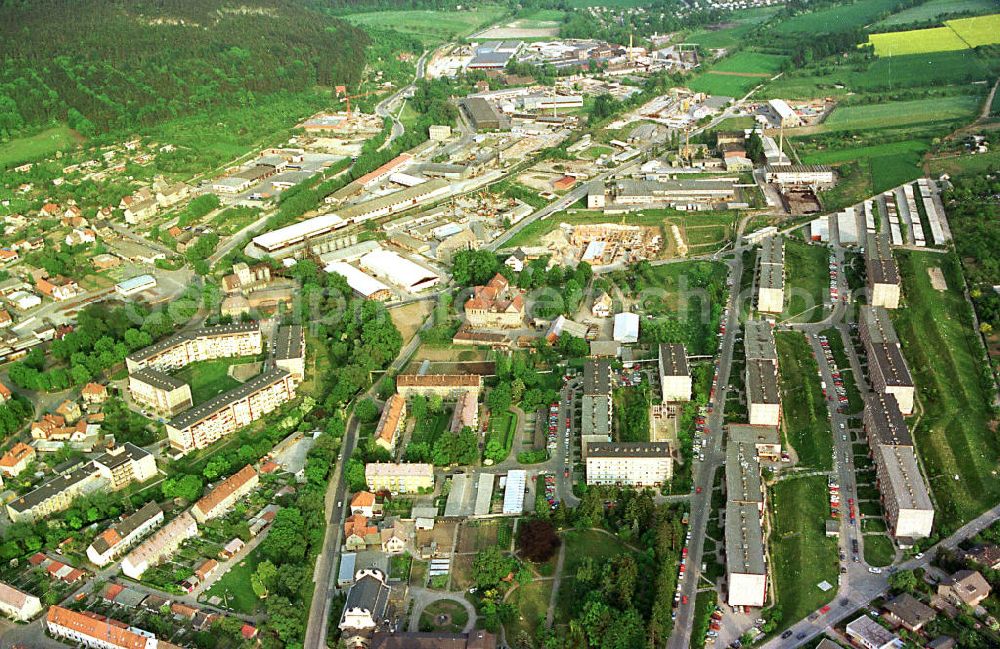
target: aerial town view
<point>500,324</point>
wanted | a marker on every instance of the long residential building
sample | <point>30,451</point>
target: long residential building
<point>883,281</point>
<point>763,396</point>
<point>222,498</point>
<point>202,344</point>
<point>746,555</point>
<point>288,350</point>
<point>633,464</point>
<point>446,386</point>
<point>391,423</point>
<point>160,545</point>
<point>99,632</point>
<point>223,415</point>
<point>771,275</point>
<point>56,494</point>
<point>887,367</point>
<point>905,498</point>
<point>596,405</point>
<point>399,478</point>
<point>675,377</point>
<point>114,541</point>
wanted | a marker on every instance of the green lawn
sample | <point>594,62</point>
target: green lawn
<point>724,84</point>
<point>900,113</point>
<point>458,616</point>
<point>431,26</point>
<point>953,436</point>
<point>807,281</point>
<point>966,164</point>
<point>867,170</point>
<point>581,544</point>
<point>933,8</point>
<point>631,407</point>
<point>838,17</point>
<point>733,31</point>
<point>532,602</point>
<point>501,432</point>
<point>801,554</point>
<point>234,587</point>
<point>879,551</point>
<point>35,147</point>
<point>209,378</point>
<point>804,411</point>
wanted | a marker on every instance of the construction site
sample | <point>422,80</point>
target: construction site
<point>341,133</point>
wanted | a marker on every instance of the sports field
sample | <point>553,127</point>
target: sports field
<point>35,147</point>
<point>954,434</point>
<point>803,408</point>
<point>428,25</point>
<point>837,18</point>
<point>901,113</point>
<point>802,554</point>
<point>933,8</point>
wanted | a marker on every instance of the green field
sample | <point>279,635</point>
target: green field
<point>879,551</point>
<point>901,113</point>
<point>977,31</point>
<point>732,32</point>
<point>725,85</point>
<point>234,587</point>
<point>837,18</point>
<point>807,281</point>
<point>582,544</point>
<point>748,62</point>
<point>802,556</point>
<point>430,26</point>
<point>539,18</point>
<point>36,147</point>
<point>933,8</point>
<point>803,409</point>
<point>918,41</point>
<point>209,378</point>
<point>966,164</point>
<point>623,4</point>
<point>879,167</point>
<point>953,435</point>
<point>833,76</point>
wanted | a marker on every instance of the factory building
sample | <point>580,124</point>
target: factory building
<point>784,114</point>
<point>675,377</point>
<point>484,116</point>
<point>281,242</point>
<point>363,284</point>
<point>771,275</point>
<point>883,273</point>
<point>400,271</point>
<point>633,464</point>
<point>789,175</point>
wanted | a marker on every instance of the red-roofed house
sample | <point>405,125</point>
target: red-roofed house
<point>58,288</point>
<point>16,459</point>
<point>495,305</point>
<point>358,534</point>
<point>364,504</point>
<point>94,393</point>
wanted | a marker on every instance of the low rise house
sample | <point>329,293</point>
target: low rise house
<point>495,306</point>
<point>363,503</point>
<point>391,423</point>
<point>869,634</point>
<point>16,459</point>
<point>18,605</point>
<point>602,306</point>
<point>393,540</point>
<point>965,587</point>
<point>118,538</point>
<point>908,612</point>
<point>358,534</point>
<point>984,555</point>
<point>220,499</point>
<point>58,288</point>
<point>94,393</point>
<point>447,386</point>
<point>99,632</point>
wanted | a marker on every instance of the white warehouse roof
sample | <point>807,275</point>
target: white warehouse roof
<point>782,108</point>
<point>400,271</point>
<point>299,231</point>
<point>626,328</point>
<point>513,495</point>
<point>364,284</point>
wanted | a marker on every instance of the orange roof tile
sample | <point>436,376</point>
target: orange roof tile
<point>227,488</point>
<point>96,626</point>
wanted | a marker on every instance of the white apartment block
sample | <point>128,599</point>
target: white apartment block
<point>908,508</point>
<point>771,276</point>
<point>399,478</point>
<point>17,604</point>
<point>208,422</point>
<point>763,398</point>
<point>675,377</point>
<point>202,344</point>
<point>637,464</point>
<point>159,391</point>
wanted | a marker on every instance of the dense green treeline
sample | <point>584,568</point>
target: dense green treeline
<point>125,65</point>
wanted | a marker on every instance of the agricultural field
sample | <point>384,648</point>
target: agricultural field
<point>802,555</point>
<point>959,453</point>
<point>731,33</point>
<point>35,147</point>
<point>802,403</point>
<point>839,77</point>
<point>901,113</point>
<point>977,31</point>
<point>752,63</point>
<point>868,170</point>
<point>839,17</point>
<point>965,164</point>
<point>918,41</point>
<point>933,8</point>
<point>430,26</point>
<point>725,85</point>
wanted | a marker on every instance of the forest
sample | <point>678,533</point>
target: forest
<point>118,66</point>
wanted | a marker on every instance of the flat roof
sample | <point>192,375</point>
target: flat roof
<point>597,377</point>
<point>798,169</point>
<point>192,416</point>
<point>399,270</point>
<point>136,282</point>
<point>673,360</point>
<point>628,449</point>
<point>772,251</point>
<point>758,341</point>
<point>903,472</point>
<point>744,540</point>
<point>754,434</point>
<point>484,494</point>
<point>743,482</point>
<point>762,382</point>
<point>318,225</point>
<point>513,495</point>
<point>884,421</point>
<point>771,276</point>
<point>289,343</point>
<point>157,379</point>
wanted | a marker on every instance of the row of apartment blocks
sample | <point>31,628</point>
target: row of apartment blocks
<point>887,367</point>
<point>882,272</point>
<point>596,414</point>
<point>165,541</point>
<point>195,427</point>
<point>763,396</point>
<point>746,550</point>
<point>114,470</point>
<point>771,275</point>
<point>908,508</point>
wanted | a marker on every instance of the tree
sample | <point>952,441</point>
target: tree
<point>284,542</point>
<point>356,475</point>
<point>499,399</point>
<point>263,578</point>
<point>903,581</point>
<point>537,540</point>
<point>366,410</point>
<point>474,267</point>
<point>491,566</point>
<point>187,487</point>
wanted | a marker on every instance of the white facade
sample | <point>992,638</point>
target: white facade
<point>17,604</point>
<point>626,328</point>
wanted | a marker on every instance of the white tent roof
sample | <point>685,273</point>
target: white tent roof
<point>399,270</point>
<point>626,327</point>
<point>363,283</point>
